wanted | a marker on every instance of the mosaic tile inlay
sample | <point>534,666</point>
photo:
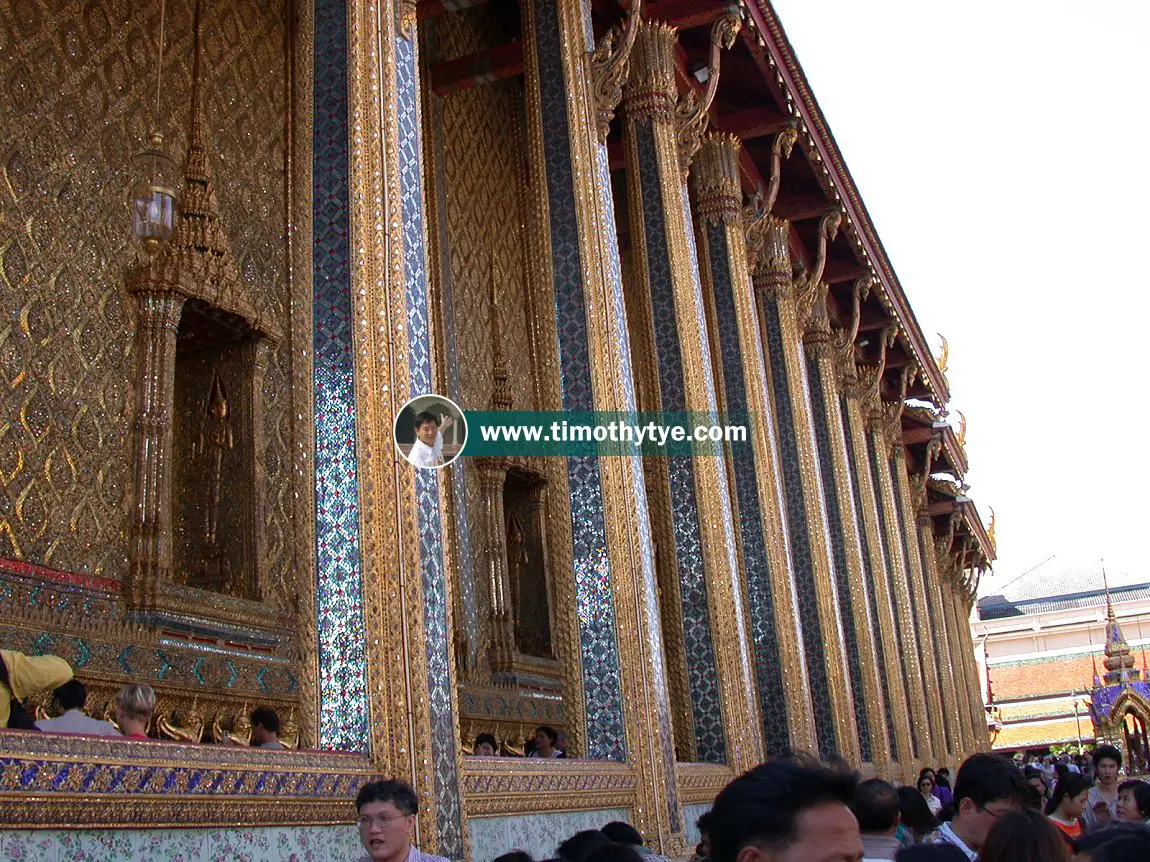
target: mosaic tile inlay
<point>888,554</point>
<point>869,576</point>
<point>800,532</point>
<point>768,672</point>
<point>700,655</point>
<point>437,639</point>
<point>602,690</point>
<point>343,721</point>
<point>841,513</point>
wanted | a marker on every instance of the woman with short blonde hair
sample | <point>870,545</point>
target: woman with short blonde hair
<point>134,707</point>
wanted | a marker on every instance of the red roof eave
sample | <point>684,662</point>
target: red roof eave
<point>796,84</point>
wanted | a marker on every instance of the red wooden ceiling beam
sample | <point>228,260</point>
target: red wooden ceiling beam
<point>755,123</point>
<point>837,271</point>
<point>685,14</point>
<point>799,207</point>
<point>475,70</point>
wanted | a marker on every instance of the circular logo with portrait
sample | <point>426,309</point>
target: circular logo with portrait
<point>430,431</point>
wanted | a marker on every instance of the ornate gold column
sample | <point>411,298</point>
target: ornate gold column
<point>660,138</point>
<point>878,448</point>
<point>780,671</point>
<point>908,530</point>
<point>820,350</point>
<point>888,646</point>
<point>572,89</point>
<point>941,646</point>
<point>962,683</point>
<point>963,601</point>
<point>806,516</point>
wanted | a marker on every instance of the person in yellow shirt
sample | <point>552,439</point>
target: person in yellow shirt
<point>22,675</point>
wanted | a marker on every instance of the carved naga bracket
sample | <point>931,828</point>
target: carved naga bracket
<point>780,149</point>
<point>932,451</point>
<point>943,543</point>
<point>809,286</point>
<point>893,409</point>
<point>692,112</point>
<point>607,67</point>
<point>870,375</point>
<point>844,338</point>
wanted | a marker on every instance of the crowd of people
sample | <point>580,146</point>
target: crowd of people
<point>797,809</point>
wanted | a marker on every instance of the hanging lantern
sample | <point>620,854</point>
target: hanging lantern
<point>153,197</point>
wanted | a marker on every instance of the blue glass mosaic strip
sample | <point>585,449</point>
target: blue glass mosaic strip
<point>877,464</point>
<point>343,716</point>
<point>706,701</point>
<point>595,604</point>
<point>437,638</point>
<point>801,539</point>
<point>869,576</point>
<point>839,512</point>
<point>649,587</point>
<point>760,596</point>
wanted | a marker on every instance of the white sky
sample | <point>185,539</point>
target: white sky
<point>1002,149</point>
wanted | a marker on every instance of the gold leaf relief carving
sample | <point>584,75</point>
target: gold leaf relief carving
<point>80,82</point>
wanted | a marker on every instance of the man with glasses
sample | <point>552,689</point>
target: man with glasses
<point>987,786</point>
<point>387,811</point>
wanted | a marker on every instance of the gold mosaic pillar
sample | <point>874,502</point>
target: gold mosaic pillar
<point>821,347</point>
<point>660,138</point>
<point>572,89</point>
<point>924,624</point>
<point>888,646</point>
<point>963,599</point>
<point>961,681</point>
<point>806,515</point>
<point>780,672</point>
<point>941,646</point>
<point>878,448</point>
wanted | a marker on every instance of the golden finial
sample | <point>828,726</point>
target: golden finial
<point>943,358</point>
<point>990,530</point>
<point>961,432</point>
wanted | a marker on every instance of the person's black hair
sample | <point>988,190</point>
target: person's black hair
<point>548,731</point>
<point>916,814</point>
<point>398,793</point>
<point>930,852</point>
<point>71,695</point>
<point>514,856</point>
<point>20,718</point>
<point>1061,770</point>
<point>762,806</point>
<point>266,718</point>
<point>582,844</point>
<point>489,738</point>
<point>942,778</point>
<point>1067,788</point>
<point>924,771</point>
<point>876,806</point>
<point>1118,842</point>
<point>703,824</point>
<point>944,771</point>
<point>424,416</point>
<point>622,833</point>
<point>984,778</point>
<point>1141,794</point>
<point>615,852</point>
<point>1024,836</point>
<point>1107,751</point>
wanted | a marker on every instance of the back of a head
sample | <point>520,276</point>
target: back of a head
<point>582,844</point>
<point>984,778</point>
<point>930,853</point>
<point>267,719</point>
<point>1119,842</point>
<point>762,806</point>
<point>1023,836</point>
<point>622,833</point>
<point>915,813</point>
<point>71,695</point>
<point>615,852</point>
<point>876,806</point>
<point>138,701</point>
<point>398,793</point>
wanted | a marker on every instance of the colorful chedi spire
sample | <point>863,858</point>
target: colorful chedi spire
<point>1119,661</point>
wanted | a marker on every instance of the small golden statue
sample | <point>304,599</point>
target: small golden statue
<point>215,438</point>
<point>236,730</point>
<point>185,725</point>
<point>289,731</point>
